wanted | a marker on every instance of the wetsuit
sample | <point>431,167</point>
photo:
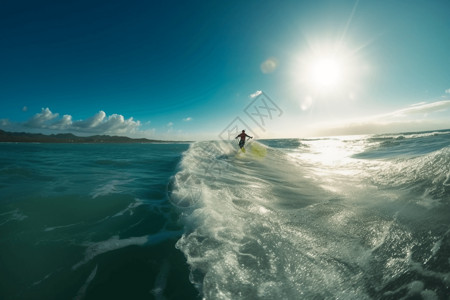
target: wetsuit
<point>242,141</point>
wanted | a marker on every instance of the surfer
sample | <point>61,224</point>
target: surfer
<point>242,135</point>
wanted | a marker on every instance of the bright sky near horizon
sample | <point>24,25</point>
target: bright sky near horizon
<point>195,69</point>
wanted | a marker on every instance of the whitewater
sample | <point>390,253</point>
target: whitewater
<point>361,217</point>
<point>351,217</point>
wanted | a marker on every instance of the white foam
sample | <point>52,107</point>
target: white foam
<point>161,281</point>
<point>413,135</point>
<point>130,208</point>
<point>293,223</point>
<point>111,187</point>
<point>427,174</point>
<point>447,180</point>
<point>82,291</point>
<point>96,248</point>
<point>429,295</point>
<point>241,233</point>
<point>14,215</point>
<point>43,279</point>
<point>60,227</point>
<point>414,289</point>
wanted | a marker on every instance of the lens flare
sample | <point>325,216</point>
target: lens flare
<point>269,65</point>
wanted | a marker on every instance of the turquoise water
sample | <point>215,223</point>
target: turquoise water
<point>357,217</point>
<point>89,222</point>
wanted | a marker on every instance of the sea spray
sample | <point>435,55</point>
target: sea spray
<point>325,218</point>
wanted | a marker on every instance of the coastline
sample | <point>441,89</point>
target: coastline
<point>69,138</point>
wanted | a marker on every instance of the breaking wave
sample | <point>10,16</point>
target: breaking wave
<point>318,218</point>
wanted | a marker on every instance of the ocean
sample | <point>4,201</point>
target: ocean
<point>352,217</point>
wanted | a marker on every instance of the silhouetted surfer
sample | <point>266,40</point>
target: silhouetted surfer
<point>242,135</point>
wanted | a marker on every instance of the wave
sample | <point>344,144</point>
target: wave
<point>242,224</point>
<point>308,218</point>
<point>426,176</point>
<point>410,135</point>
<point>258,173</point>
<point>405,145</point>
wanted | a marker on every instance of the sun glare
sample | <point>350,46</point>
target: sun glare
<point>325,72</point>
<point>326,68</point>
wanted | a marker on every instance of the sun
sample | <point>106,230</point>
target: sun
<point>325,72</point>
<point>326,68</point>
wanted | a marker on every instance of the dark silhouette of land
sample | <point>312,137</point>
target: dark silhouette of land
<point>69,138</point>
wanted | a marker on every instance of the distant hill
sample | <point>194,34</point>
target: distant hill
<point>23,137</point>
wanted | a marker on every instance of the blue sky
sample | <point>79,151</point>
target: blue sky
<point>195,69</point>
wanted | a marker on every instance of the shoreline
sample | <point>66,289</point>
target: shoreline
<point>69,138</point>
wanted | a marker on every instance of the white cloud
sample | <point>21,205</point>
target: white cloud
<point>40,120</point>
<point>114,124</point>
<point>64,123</point>
<point>5,123</point>
<point>100,123</point>
<point>170,124</point>
<point>447,91</point>
<point>187,119</point>
<point>421,108</point>
<point>255,94</point>
<point>92,122</point>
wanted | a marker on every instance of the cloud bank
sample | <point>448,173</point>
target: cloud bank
<point>418,117</point>
<point>100,123</point>
<point>420,108</point>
